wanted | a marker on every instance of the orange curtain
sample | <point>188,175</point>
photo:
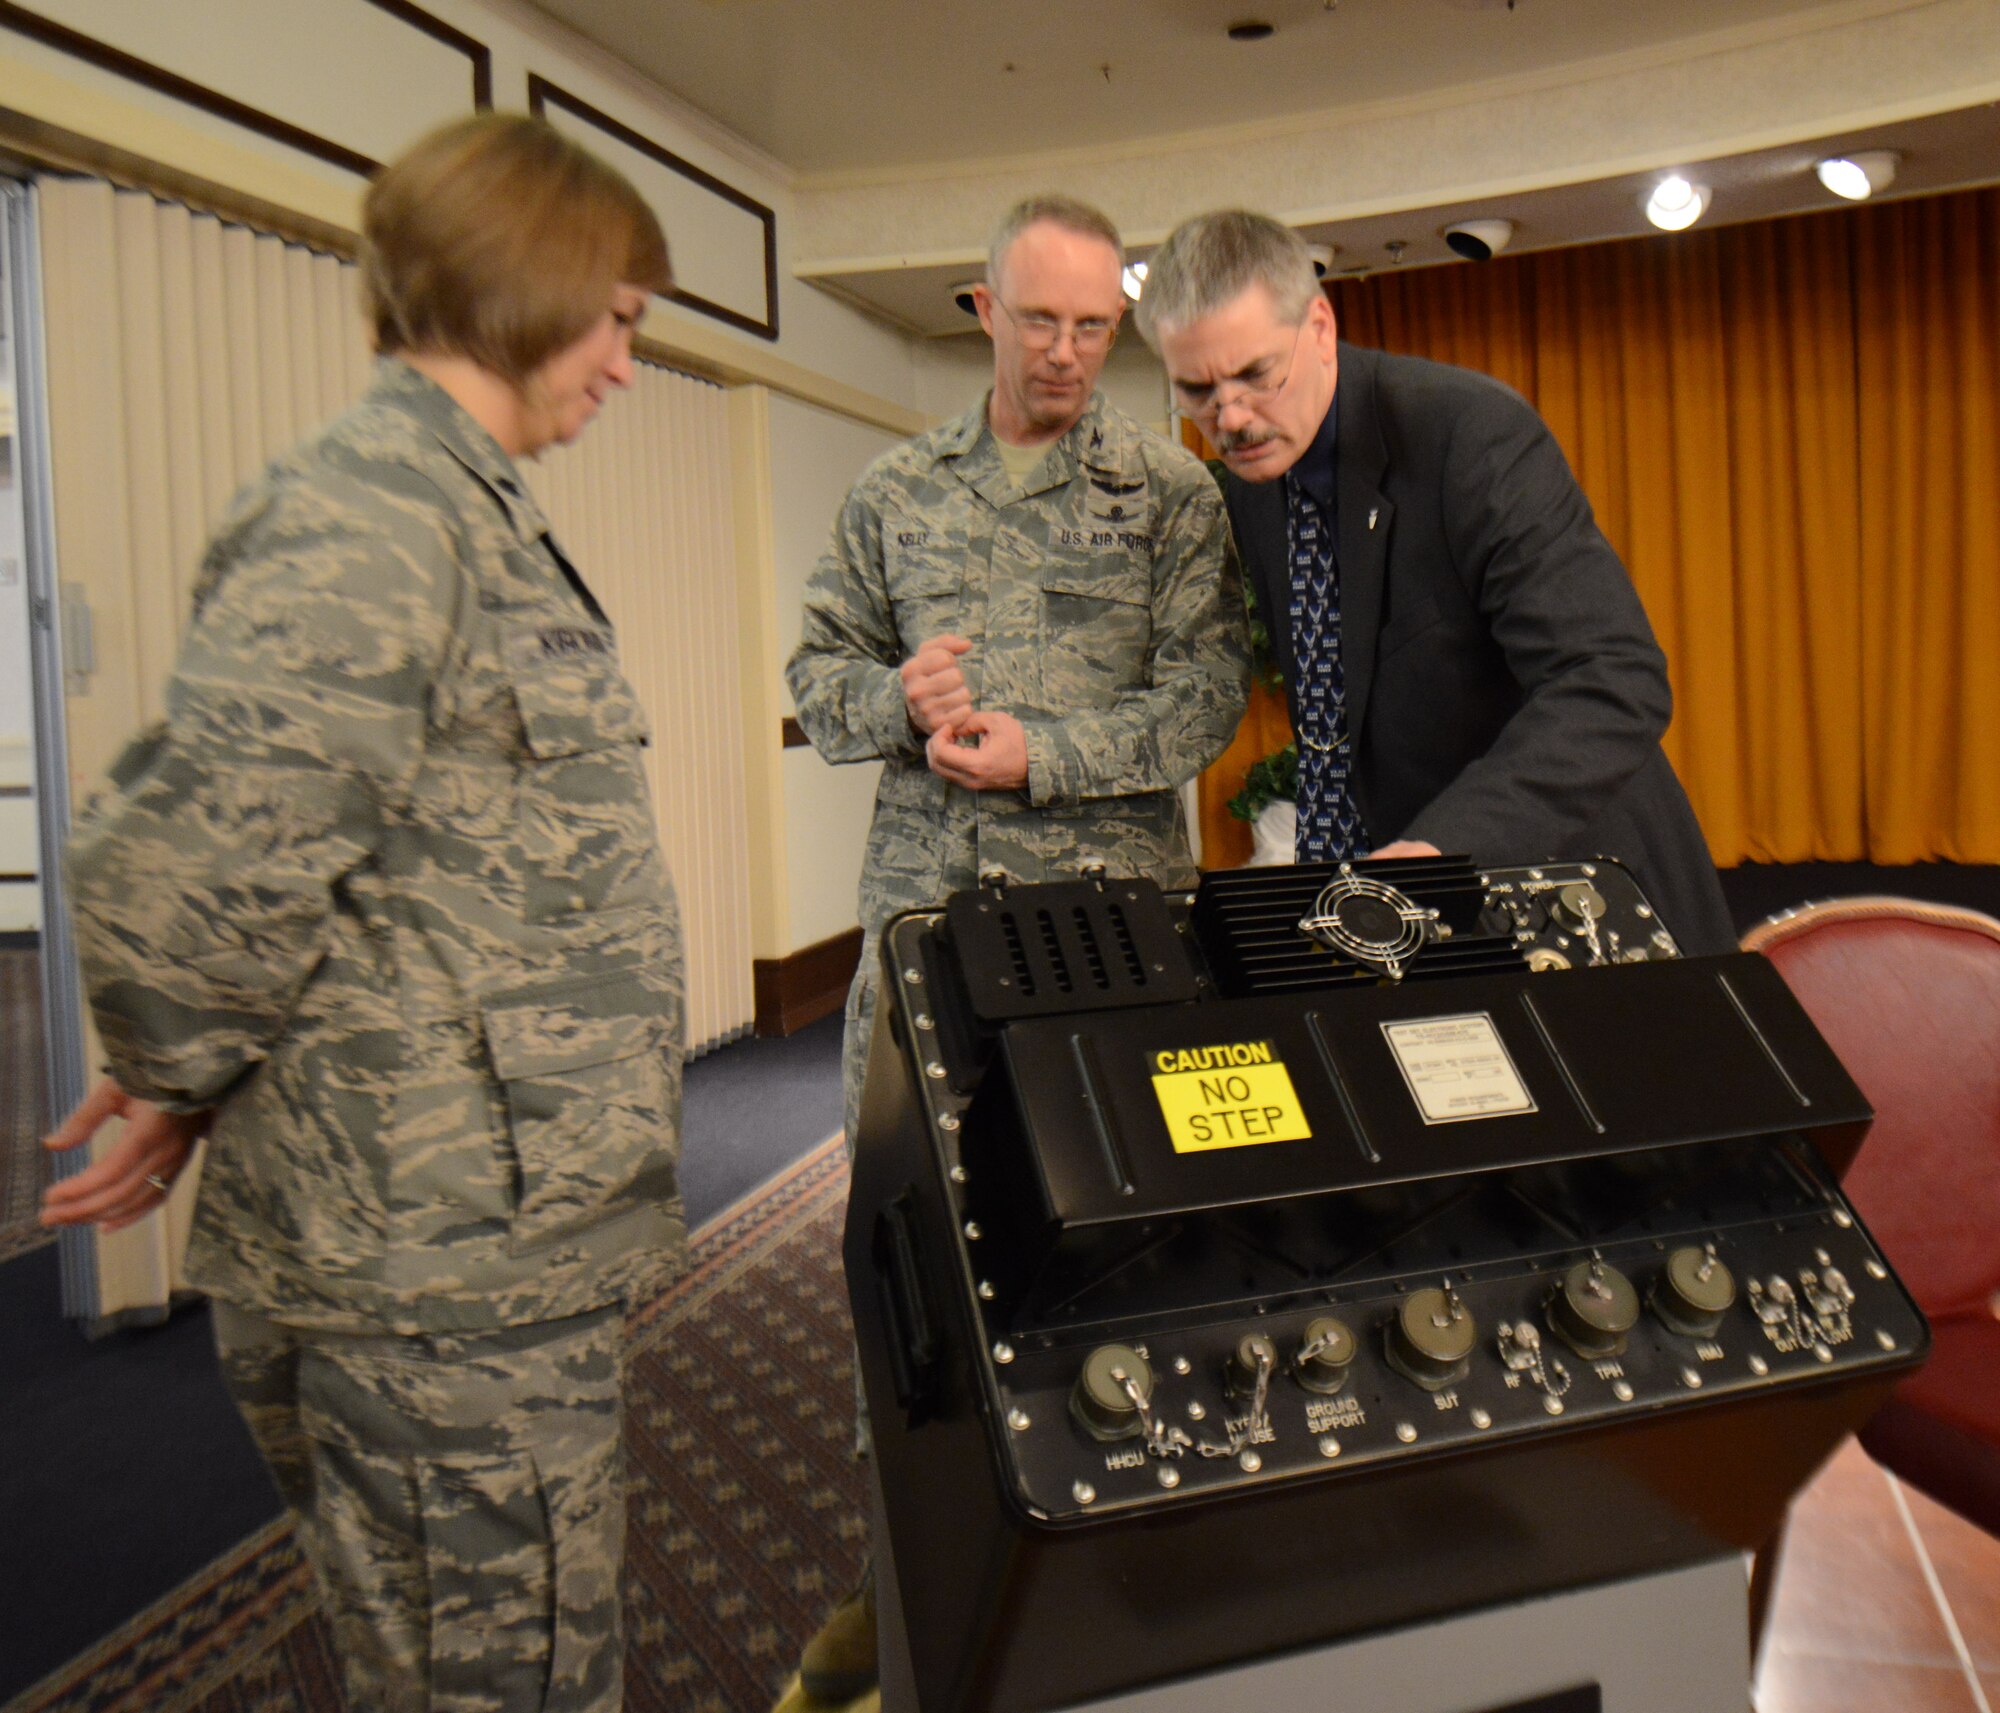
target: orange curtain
<point>1790,433</point>
<point>1928,283</point>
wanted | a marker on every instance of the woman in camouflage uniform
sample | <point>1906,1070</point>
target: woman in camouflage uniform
<point>380,910</point>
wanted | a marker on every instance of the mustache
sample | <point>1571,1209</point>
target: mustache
<point>1237,440</point>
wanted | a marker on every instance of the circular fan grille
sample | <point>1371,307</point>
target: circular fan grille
<point>1369,922</point>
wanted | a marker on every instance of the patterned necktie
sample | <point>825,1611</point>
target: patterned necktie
<point>1329,824</point>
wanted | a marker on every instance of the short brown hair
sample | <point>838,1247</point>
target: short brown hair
<point>499,239</point>
<point>1067,212</point>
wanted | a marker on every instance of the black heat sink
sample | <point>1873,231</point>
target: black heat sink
<point>1246,921</point>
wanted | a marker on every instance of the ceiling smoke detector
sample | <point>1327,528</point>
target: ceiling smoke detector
<point>1479,240</point>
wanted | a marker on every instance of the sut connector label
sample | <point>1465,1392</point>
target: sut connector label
<point>1234,1094</point>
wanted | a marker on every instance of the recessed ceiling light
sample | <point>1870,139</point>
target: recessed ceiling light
<point>1676,203</point>
<point>1134,280</point>
<point>1858,176</point>
<point>1322,258</point>
<point>961,294</point>
<point>1252,30</point>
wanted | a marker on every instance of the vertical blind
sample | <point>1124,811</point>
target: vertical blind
<point>641,503</point>
<point>183,354</point>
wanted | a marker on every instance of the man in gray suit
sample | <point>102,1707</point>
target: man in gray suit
<point>1468,666</point>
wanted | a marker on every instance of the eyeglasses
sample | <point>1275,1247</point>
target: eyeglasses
<point>1212,401</point>
<point>1040,332</point>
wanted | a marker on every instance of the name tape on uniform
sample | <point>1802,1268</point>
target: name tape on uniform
<point>1234,1094</point>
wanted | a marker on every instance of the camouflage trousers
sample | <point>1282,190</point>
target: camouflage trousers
<point>857,1030</point>
<point>957,871</point>
<point>856,1033</point>
<point>461,1498</point>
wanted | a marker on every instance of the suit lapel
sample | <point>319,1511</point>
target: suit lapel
<point>1361,460</point>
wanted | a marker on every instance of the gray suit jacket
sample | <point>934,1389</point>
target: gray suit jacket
<point>1505,695</point>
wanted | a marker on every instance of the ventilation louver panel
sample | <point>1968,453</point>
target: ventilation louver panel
<point>1073,946</point>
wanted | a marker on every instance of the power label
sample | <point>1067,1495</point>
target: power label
<point>1235,1094</point>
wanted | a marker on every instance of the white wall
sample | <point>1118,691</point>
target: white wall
<point>815,458</point>
<point>350,72</point>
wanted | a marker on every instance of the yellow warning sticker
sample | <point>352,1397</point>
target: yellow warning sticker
<point>1234,1095</point>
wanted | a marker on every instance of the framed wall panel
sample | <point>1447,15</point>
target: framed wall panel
<point>347,82</point>
<point>725,242</point>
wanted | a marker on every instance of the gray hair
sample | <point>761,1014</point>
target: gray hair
<point>1213,259</point>
<point>1064,211</point>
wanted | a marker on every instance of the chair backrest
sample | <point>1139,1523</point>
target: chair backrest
<point>1908,993</point>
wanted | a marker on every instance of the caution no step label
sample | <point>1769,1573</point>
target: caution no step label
<point>1233,1094</point>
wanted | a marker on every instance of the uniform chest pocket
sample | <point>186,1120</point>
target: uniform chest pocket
<point>570,695</point>
<point>583,832</point>
<point>925,571</point>
<point>591,1075</point>
<point>1097,629</point>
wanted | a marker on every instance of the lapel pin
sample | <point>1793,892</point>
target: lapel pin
<point>1373,513</point>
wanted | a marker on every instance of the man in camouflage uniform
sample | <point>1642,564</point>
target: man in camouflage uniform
<point>380,907</point>
<point>1076,614</point>
<point>1033,616</point>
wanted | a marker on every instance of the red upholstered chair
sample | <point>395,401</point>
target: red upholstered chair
<point>1908,994</point>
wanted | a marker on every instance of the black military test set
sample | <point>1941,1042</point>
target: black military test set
<point>1335,1249</point>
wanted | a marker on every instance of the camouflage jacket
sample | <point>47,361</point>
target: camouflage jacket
<point>1104,606</point>
<point>385,889</point>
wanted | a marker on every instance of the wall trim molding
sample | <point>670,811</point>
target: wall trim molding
<point>672,338</point>
<point>41,146</point>
<point>542,94</point>
<point>806,985</point>
<point>102,55</point>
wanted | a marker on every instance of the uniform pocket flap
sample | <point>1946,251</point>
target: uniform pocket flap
<point>1107,579</point>
<point>571,697</point>
<point>924,580</point>
<point>548,1031</point>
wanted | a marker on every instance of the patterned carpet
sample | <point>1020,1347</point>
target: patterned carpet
<point>23,1162</point>
<point>747,1506</point>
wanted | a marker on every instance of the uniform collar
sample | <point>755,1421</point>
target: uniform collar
<point>1095,441</point>
<point>453,427</point>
